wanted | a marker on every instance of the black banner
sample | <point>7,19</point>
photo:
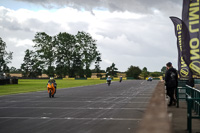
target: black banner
<point>191,36</point>
<point>183,69</point>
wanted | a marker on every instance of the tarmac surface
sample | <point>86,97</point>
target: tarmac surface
<point>90,109</point>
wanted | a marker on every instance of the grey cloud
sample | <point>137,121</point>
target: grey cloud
<point>148,33</point>
<point>29,26</point>
<point>78,26</point>
<point>10,24</point>
<point>39,26</point>
<point>138,6</point>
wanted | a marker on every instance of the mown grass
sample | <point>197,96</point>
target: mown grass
<point>31,85</point>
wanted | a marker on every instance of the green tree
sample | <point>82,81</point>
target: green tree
<point>97,66</point>
<point>5,57</point>
<point>112,70</point>
<point>13,69</point>
<point>133,71</point>
<point>163,70</point>
<point>87,49</point>
<point>65,45</point>
<point>144,73</point>
<point>32,66</point>
<point>70,54</point>
<point>27,65</point>
<point>156,74</point>
<point>77,66</point>
<point>46,51</point>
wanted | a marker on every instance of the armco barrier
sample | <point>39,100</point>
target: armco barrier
<point>119,78</point>
<point>93,78</point>
<point>105,78</point>
<point>156,78</point>
<point>129,78</point>
<point>156,118</point>
<point>68,78</point>
<point>80,78</point>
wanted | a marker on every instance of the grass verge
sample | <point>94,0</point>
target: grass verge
<point>32,85</point>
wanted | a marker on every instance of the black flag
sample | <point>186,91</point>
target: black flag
<point>183,69</point>
<point>191,36</point>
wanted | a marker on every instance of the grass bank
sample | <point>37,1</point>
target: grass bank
<point>31,85</point>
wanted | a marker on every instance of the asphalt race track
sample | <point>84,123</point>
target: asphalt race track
<point>90,109</point>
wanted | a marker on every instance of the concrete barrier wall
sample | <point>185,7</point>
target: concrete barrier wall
<point>155,119</point>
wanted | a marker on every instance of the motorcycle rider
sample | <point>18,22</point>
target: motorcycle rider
<point>120,79</point>
<point>52,80</point>
<point>109,80</point>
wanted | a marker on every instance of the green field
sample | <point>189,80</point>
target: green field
<point>31,85</point>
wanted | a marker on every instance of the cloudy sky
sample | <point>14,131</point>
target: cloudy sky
<point>128,32</point>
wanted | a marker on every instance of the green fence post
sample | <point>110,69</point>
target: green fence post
<point>198,104</point>
<point>189,114</point>
<point>177,93</point>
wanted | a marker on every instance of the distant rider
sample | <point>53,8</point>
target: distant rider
<point>109,80</point>
<point>120,79</point>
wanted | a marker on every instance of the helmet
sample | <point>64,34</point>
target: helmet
<point>108,76</point>
<point>51,78</point>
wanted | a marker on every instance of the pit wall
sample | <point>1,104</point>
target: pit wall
<point>156,119</point>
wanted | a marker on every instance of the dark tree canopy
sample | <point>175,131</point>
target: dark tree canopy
<point>163,70</point>
<point>64,43</point>
<point>112,70</point>
<point>156,74</point>
<point>5,57</point>
<point>66,54</point>
<point>133,71</point>
<point>97,66</point>
<point>87,49</point>
<point>144,73</point>
<point>31,67</point>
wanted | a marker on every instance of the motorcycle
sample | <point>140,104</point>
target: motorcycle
<point>51,89</point>
<point>108,82</point>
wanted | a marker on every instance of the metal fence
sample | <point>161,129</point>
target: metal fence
<point>193,106</point>
<point>181,91</point>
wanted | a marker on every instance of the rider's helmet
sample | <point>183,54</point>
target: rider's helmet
<point>108,76</point>
<point>51,78</point>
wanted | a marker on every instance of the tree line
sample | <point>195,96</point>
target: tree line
<point>5,57</point>
<point>64,54</point>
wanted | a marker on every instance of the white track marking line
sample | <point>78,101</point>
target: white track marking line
<point>72,118</point>
<point>70,102</point>
<point>89,108</point>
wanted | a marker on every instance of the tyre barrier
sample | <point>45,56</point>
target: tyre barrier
<point>8,81</point>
